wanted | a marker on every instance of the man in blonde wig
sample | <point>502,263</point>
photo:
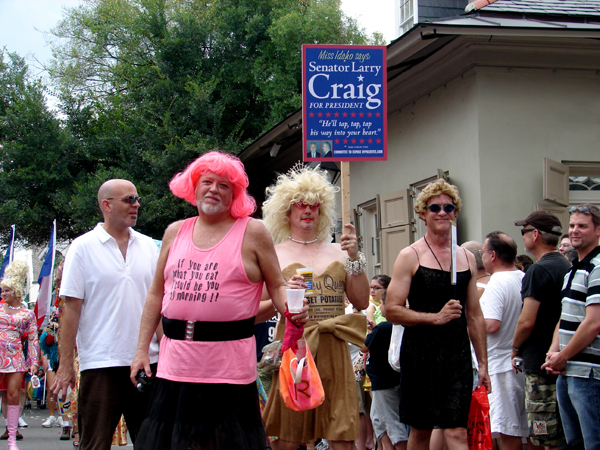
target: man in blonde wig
<point>299,213</point>
<point>435,358</point>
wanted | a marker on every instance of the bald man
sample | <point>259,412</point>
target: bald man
<point>107,273</point>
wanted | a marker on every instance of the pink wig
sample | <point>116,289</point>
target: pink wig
<point>183,184</point>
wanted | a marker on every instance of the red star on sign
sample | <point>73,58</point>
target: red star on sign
<point>354,141</point>
<point>345,141</point>
<point>328,114</point>
<point>337,114</point>
<point>353,114</point>
<point>377,114</point>
<point>345,114</point>
<point>337,141</point>
<point>370,141</point>
<point>361,114</point>
<point>311,114</point>
<point>320,114</point>
<point>369,114</point>
<point>378,141</point>
<point>362,141</point>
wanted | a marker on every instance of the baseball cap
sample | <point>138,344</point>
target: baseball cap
<point>543,221</point>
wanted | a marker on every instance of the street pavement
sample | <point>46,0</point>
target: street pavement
<point>36,437</point>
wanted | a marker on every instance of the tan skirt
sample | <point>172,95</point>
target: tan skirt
<point>337,418</point>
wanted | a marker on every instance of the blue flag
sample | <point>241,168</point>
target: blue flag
<point>10,251</point>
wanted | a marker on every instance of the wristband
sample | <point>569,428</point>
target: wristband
<point>515,349</point>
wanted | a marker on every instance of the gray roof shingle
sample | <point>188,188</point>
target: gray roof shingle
<point>547,7</point>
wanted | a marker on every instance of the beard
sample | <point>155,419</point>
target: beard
<point>211,209</point>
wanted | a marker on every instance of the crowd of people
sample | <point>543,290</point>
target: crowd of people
<point>164,339</point>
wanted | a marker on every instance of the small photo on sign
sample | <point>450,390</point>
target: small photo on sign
<point>326,149</point>
<point>313,149</point>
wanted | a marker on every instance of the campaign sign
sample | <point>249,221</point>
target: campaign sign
<point>344,102</point>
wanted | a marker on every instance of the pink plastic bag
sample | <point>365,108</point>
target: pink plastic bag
<point>299,382</point>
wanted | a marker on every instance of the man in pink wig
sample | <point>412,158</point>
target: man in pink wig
<point>207,290</point>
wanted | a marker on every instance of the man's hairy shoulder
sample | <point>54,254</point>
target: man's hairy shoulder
<point>172,230</point>
<point>170,234</point>
<point>257,234</point>
<point>256,228</point>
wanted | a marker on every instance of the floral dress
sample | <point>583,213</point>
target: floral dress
<point>14,328</point>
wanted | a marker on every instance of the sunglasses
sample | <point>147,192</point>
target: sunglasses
<point>435,208</point>
<point>131,199</point>
<point>302,205</point>
<point>582,209</point>
<point>526,230</point>
<point>595,212</point>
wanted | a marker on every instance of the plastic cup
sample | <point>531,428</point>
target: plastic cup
<point>295,299</point>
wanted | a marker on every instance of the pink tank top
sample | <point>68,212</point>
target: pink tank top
<point>208,285</point>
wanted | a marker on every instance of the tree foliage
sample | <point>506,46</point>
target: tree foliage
<point>35,160</point>
<point>145,87</point>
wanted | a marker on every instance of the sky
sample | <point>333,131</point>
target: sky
<point>23,23</point>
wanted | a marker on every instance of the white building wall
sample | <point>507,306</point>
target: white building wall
<point>524,117</point>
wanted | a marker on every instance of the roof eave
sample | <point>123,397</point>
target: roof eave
<point>293,121</point>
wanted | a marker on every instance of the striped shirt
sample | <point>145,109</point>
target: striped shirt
<point>581,288</point>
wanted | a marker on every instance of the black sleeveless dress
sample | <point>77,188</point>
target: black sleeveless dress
<point>437,375</point>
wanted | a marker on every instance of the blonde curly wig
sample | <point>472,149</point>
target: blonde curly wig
<point>15,276</point>
<point>438,187</point>
<point>301,183</point>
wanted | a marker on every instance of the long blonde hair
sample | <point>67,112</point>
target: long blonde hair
<point>301,183</point>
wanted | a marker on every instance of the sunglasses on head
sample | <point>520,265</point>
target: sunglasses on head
<point>435,208</point>
<point>587,210</point>
<point>302,205</point>
<point>131,199</point>
<point>582,209</point>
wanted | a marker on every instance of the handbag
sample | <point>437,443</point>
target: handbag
<point>395,344</point>
<point>479,429</point>
<point>299,382</point>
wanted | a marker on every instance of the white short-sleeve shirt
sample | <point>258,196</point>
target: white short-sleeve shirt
<point>502,301</point>
<point>113,291</point>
